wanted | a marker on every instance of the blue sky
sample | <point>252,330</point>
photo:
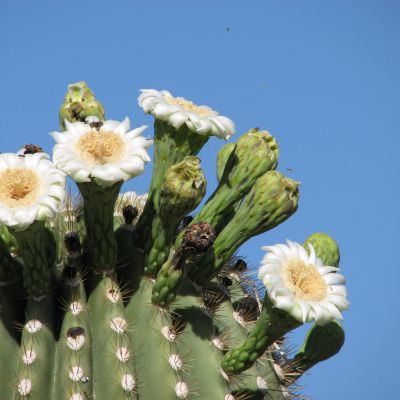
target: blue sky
<point>322,76</point>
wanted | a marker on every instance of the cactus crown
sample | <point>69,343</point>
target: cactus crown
<point>120,296</point>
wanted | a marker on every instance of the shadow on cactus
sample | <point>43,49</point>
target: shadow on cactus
<point>119,296</point>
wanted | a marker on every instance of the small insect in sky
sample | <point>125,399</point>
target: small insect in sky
<point>289,169</point>
<point>228,29</point>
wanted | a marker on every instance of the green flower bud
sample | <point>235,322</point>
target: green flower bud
<point>183,187</point>
<point>222,159</point>
<point>80,103</point>
<point>321,343</point>
<point>256,152</point>
<point>272,200</point>
<point>325,247</point>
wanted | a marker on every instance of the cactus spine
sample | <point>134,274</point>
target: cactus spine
<point>116,300</point>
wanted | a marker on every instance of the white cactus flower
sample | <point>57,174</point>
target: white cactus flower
<point>108,154</point>
<point>31,189</point>
<point>178,111</point>
<point>301,284</point>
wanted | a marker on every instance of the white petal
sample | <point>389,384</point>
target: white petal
<point>177,119</point>
<point>334,279</point>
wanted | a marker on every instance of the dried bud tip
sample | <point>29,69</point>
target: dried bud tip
<point>200,237</point>
<point>129,213</point>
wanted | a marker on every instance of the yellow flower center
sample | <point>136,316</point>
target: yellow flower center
<point>189,106</point>
<point>100,147</point>
<point>305,281</point>
<point>18,187</point>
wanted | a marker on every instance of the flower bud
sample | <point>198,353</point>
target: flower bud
<point>272,200</point>
<point>183,187</point>
<point>80,103</point>
<point>325,248</point>
<point>256,152</point>
<point>222,159</point>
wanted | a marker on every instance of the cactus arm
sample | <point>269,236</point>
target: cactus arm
<point>169,279</point>
<point>170,147</point>
<point>74,362</point>
<point>271,201</point>
<point>37,351</point>
<point>183,187</point>
<point>37,245</point>
<point>254,154</point>
<point>9,338</point>
<point>321,343</point>
<point>270,326</point>
<point>152,347</point>
<point>195,346</point>
<point>198,238</point>
<point>100,248</point>
<point>114,376</point>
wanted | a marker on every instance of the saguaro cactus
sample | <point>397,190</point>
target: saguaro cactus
<point>115,296</point>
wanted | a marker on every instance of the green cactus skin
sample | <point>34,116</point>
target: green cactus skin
<point>140,311</point>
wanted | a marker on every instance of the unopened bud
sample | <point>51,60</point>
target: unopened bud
<point>80,103</point>
<point>255,153</point>
<point>183,187</point>
<point>272,200</point>
<point>224,162</point>
<point>325,248</point>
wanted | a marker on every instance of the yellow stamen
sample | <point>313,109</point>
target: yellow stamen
<point>100,147</point>
<point>18,187</point>
<point>189,106</point>
<point>305,281</point>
